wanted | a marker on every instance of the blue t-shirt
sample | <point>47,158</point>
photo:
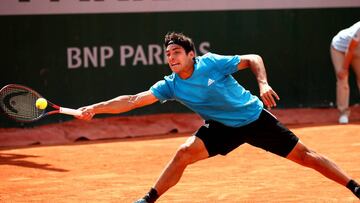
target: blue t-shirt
<point>212,92</point>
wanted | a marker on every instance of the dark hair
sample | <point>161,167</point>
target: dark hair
<point>181,40</point>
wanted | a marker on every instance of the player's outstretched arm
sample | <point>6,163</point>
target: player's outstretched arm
<point>256,64</point>
<point>118,104</point>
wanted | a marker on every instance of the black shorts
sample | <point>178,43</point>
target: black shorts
<point>266,133</point>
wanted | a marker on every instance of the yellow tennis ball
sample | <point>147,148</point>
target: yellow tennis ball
<point>41,103</point>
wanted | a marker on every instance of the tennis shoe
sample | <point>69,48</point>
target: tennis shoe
<point>343,119</point>
<point>142,200</point>
<point>357,191</point>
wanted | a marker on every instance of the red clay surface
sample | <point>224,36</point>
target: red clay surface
<point>122,170</point>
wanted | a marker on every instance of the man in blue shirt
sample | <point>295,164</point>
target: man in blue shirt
<point>233,116</point>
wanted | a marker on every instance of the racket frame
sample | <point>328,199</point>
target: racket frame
<point>58,109</point>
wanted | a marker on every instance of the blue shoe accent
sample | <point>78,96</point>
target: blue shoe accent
<point>141,201</point>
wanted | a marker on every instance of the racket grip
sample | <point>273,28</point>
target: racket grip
<point>68,111</point>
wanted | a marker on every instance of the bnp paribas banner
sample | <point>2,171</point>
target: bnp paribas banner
<point>77,52</point>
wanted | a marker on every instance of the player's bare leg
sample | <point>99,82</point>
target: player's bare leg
<point>190,152</point>
<point>309,158</point>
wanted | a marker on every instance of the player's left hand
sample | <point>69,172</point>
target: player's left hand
<point>268,95</point>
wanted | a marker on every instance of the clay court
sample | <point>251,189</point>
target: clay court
<point>82,52</point>
<point>122,170</point>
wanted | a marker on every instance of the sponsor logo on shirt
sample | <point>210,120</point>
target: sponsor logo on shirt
<point>210,81</point>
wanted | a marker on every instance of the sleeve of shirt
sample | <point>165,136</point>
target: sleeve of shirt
<point>161,90</point>
<point>226,64</point>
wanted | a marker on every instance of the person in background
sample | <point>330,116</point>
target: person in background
<point>345,52</point>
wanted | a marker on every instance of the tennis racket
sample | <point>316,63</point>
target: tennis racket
<point>19,103</point>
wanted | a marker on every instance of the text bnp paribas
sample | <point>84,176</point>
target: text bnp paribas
<point>124,55</point>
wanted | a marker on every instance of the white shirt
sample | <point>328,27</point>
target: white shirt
<point>341,41</point>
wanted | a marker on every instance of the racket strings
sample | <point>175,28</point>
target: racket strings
<point>19,103</point>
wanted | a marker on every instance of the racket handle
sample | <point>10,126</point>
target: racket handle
<point>68,111</point>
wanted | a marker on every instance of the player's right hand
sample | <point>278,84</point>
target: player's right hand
<point>87,113</point>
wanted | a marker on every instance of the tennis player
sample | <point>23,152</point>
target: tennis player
<point>233,116</point>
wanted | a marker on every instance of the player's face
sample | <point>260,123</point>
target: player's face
<point>177,58</point>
